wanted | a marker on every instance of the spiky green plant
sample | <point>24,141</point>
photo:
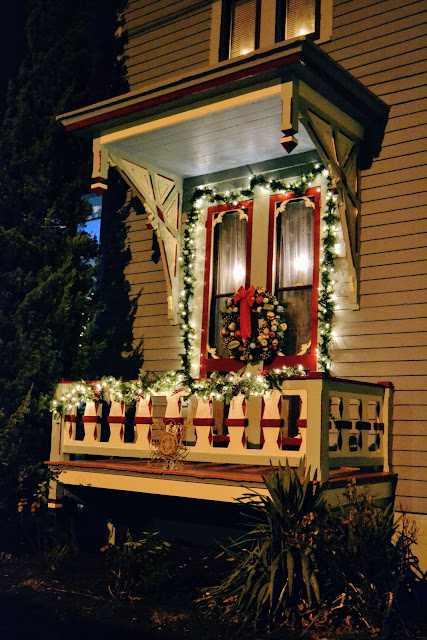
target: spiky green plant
<point>274,570</point>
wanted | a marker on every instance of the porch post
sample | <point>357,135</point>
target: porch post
<point>318,428</point>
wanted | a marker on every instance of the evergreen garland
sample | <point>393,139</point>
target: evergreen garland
<point>219,385</point>
<point>298,188</point>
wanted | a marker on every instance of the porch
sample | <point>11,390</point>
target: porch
<point>192,446</point>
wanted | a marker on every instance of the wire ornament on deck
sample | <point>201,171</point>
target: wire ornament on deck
<point>168,448</point>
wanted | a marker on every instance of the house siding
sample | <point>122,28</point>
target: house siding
<point>384,45</point>
<point>166,39</point>
<point>147,279</point>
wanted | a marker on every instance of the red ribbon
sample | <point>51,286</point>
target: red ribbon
<point>247,299</point>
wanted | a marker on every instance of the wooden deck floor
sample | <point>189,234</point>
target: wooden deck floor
<point>237,474</point>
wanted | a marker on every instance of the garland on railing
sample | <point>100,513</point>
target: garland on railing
<point>220,386</point>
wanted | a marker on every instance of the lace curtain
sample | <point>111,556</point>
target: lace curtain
<point>295,270</point>
<point>231,252</point>
<point>230,260</point>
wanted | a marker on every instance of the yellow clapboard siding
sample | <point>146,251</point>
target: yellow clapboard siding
<point>413,489</point>
<point>415,199</point>
<point>378,370</point>
<point>395,243</point>
<point>405,255</point>
<point>371,328</point>
<point>395,67</point>
<point>410,473</point>
<point>162,342</point>
<point>394,354</point>
<point>393,270</point>
<point>385,20</point>
<point>358,63</point>
<point>390,217</point>
<point>411,397</point>
<point>151,310</point>
<point>169,70</point>
<point>390,285</point>
<point>163,331</point>
<point>407,29</point>
<point>408,134</point>
<point>145,12</point>
<point>411,505</point>
<point>161,365</point>
<point>149,288</point>
<point>145,277</point>
<point>371,341</point>
<point>404,175</point>
<point>351,9</point>
<point>168,45</point>
<point>410,458</point>
<point>192,49</point>
<point>391,313</point>
<point>390,299</point>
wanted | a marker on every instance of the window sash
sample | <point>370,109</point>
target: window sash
<point>290,20</point>
<point>230,268</point>
<point>294,270</point>
<point>236,38</point>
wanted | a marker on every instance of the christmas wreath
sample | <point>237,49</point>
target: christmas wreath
<point>254,325</point>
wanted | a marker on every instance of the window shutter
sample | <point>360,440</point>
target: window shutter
<point>243,27</point>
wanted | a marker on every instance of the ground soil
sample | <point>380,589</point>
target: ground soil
<point>68,596</point>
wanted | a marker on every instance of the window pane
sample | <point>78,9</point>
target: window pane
<point>295,250</point>
<point>218,304</point>
<point>229,269</point>
<point>298,313</point>
<point>295,269</point>
<point>243,27</point>
<point>230,253</point>
<point>300,18</point>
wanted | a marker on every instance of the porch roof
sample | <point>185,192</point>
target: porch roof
<point>195,110</point>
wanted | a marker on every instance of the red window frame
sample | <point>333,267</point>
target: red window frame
<point>308,361</point>
<point>221,364</point>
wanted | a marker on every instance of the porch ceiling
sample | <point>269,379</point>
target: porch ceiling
<point>248,133</point>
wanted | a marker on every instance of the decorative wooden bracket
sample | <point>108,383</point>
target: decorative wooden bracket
<point>160,192</point>
<point>101,163</point>
<point>336,137</point>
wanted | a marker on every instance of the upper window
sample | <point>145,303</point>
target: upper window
<point>297,18</point>
<point>239,28</point>
<point>247,25</point>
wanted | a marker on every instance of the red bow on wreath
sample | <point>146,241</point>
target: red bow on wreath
<point>247,299</point>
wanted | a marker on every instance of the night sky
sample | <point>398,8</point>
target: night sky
<point>12,43</point>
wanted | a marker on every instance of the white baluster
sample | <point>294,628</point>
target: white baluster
<point>117,421</point>
<point>143,421</point>
<point>271,423</point>
<point>92,422</point>
<point>236,423</point>
<point>203,422</point>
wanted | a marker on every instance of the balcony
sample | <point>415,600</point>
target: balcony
<point>218,450</point>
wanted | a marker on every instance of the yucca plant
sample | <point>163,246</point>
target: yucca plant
<point>274,569</point>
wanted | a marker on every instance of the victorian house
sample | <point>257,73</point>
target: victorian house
<point>278,149</point>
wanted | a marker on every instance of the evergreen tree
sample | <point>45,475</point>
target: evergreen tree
<point>47,271</point>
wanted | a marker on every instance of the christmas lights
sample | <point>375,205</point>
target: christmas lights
<point>221,386</point>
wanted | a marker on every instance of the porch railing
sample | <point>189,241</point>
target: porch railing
<point>336,423</point>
